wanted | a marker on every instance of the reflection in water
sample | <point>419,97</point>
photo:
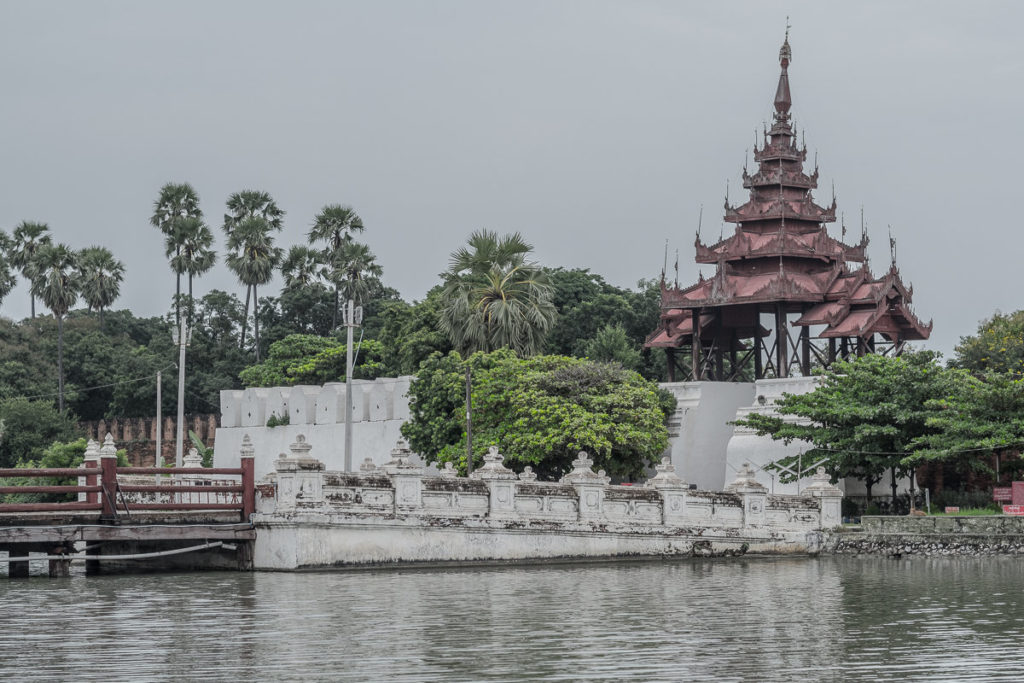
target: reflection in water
<point>752,619</point>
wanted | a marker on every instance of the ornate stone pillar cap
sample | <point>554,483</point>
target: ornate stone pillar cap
<point>746,481</point>
<point>821,485</point>
<point>493,467</point>
<point>583,472</point>
<point>108,450</point>
<point>666,477</point>
<point>528,475</point>
<point>400,460</point>
<point>448,472</point>
<point>92,452</point>
<point>367,466</point>
<point>300,459</point>
<point>192,459</point>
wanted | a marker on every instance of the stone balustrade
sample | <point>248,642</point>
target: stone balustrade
<point>399,489</point>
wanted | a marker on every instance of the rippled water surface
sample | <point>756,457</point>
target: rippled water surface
<point>745,619</point>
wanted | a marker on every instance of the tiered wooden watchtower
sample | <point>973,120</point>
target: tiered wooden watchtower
<point>782,269</point>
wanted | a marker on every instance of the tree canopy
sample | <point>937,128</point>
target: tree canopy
<point>540,411</point>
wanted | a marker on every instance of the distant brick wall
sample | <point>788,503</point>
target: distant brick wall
<point>137,435</point>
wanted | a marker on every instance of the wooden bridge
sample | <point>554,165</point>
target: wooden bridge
<point>178,518</point>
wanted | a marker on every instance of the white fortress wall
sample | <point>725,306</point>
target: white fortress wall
<point>379,408</point>
<point>701,425</point>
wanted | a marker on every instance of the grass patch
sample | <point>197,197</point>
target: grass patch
<point>969,512</point>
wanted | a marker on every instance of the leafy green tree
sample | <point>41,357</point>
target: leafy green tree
<point>308,359</point>
<point>28,238</point>
<point>100,276</point>
<point>540,411</point>
<point>57,286</point>
<point>494,298</point>
<point>611,345</point>
<point>334,226</point>
<point>28,427</point>
<point>302,267</point>
<point>7,278</point>
<point>253,258</point>
<point>974,418</point>
<point>252,204</point>
<point>409,332</point>
<point>863,420</point>
<point>190,248</point>
<point>998,346</point>
<point>175,202</point>
<point>353,269</point>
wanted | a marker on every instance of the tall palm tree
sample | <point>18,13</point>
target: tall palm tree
<point>301,267</point>
<point>176,201</point>
<point>252,258</point>
<point>241,207</point>
<point>100,276</point>
<point>334,226</point>
<point>57,286</point>
<point>351,269</point>
<point>28,238</point>
<point>191,245</point>
<point>7,278</point>
<point>493,297</point>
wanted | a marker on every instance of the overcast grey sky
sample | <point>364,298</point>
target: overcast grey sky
<point>597,129</point>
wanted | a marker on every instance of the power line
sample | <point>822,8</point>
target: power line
<point>98,386</point>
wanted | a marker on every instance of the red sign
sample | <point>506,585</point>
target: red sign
<point>1018,492</point>
<point>1002,493</point>
<point>1013,509</point>
<point>952,510</point>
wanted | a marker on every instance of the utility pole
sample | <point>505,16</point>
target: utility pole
<point>469,422</point>
<point>158,460</point>
<point>181,339</point>
<point>353,317</point>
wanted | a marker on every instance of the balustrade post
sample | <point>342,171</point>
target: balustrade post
<point>501,482</point>
<point>753,495</point>
<point>248,458</point>
<point>830,499</point>
<point>108,477</point>
<point>407,479</point>
<point>91,460</point>
<point>673,492</point>
<point>299,477</point>
<point>589,487</point>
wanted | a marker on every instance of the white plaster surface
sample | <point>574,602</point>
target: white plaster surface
<point>703,413</point>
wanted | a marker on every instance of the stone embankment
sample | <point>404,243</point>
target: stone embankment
<point>309,517</point>
<point>931,536</point>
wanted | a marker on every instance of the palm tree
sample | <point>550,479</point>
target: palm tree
<point>7,278</point>
<point>493,297</point>
<point>252,258</point>
<point>176,201</point>
<point>334,226</point>
<point>191,245</point>
<point>100,276</point>
<point>245,205</point>
<point>56,285</point>
<point>28,238</point>
<point>352,267</point>
<point>302,267</point>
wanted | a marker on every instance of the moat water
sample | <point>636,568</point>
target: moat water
<point>736,619</point>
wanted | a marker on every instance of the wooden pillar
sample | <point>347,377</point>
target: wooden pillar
<point>108,480</point>
<point>861,347</point>
<point>719,346</point>
<point>805,351</point>
<point>696,350</point>
<point>670,359</point>
<point>871,344</point>
<point>846,348</point>
<point>758,344</point>
<point>831,351</point>
<point>781,341</point>
<point>733,342</point>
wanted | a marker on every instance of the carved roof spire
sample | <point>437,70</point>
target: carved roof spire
<point>783,100</point>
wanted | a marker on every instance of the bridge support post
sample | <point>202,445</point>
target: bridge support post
<point>60,567</point>
<point>17,570</point>
<point>108,478</point>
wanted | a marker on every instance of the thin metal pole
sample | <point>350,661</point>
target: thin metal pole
<point>158,460</point>
<point>182,342</point>
<point>469,422</point>
<point>349,323</point>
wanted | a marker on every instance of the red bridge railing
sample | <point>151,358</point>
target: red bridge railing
<point>104,494</point>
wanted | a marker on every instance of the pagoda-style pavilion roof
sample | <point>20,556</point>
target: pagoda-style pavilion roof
<point>782,255</point>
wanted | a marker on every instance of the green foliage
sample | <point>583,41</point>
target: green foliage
<point>29,427</point>
<point>409,333</point>
<point>863,420</point>
<point>308,359</point>
<point>997,347</point>
<point>204,451</point>
<point>539,411</point>
<point>611,345</point>
<point>275,421</point>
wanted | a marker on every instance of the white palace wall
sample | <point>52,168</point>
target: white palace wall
<point>379,407</point>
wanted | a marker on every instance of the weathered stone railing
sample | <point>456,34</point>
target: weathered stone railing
<point>494,492</point>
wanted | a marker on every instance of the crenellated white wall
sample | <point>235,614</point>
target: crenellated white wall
<point>379,407</point>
